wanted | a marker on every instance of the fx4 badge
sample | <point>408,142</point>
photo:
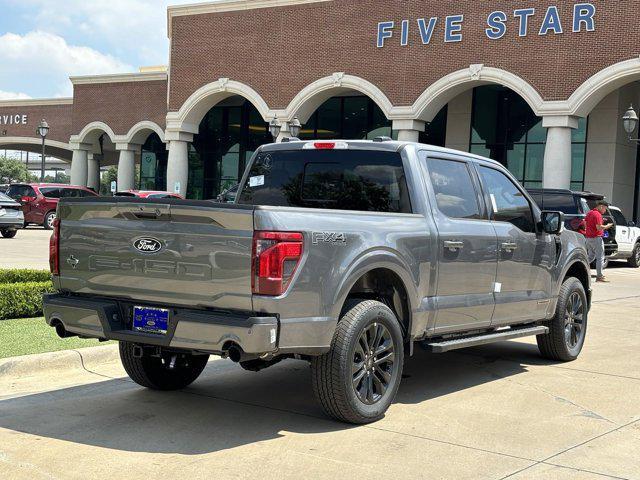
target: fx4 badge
<point>334,238</point>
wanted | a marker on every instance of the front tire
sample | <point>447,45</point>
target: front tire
<point>9,233</point>
<point>634,260</point>
<point>156,373</point>
<point>356,381</point>
<point>568,329</point>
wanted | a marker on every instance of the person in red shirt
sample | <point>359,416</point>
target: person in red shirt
<point>594,231</point>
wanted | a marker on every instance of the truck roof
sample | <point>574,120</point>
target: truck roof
<point>380,145</point>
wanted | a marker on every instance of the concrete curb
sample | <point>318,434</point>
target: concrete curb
<point>57,362</point>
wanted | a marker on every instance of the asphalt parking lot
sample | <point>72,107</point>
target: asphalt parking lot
<point>491,412</point>
<point>28,249</point>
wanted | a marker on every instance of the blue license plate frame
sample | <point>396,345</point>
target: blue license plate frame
<point>151,320</point>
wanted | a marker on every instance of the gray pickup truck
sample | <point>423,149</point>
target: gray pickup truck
<point>342,253</point>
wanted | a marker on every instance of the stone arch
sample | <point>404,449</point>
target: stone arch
<point>315,94</point>
<point>188,118</point>
<point>606,81</point>
<point>440,93</point>
<point>34,145</point>
<point>93,131</point>
<point>139,133</point>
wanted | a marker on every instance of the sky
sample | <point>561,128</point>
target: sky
<point>43,42</point>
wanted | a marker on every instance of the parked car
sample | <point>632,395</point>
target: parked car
<point>147,194</point>
<point>11,217</point>
<point>575,205</point>
<point>341,253</point>
<point>40,200</point>
<point>627,238</point>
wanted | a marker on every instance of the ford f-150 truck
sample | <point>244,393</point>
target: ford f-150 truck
<point>342,253</point>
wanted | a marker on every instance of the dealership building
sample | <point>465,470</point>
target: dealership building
<point>539,86</point>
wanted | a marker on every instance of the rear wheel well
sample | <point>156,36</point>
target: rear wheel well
<point>387,287</point>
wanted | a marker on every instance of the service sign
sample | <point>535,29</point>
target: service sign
<point>520,23</point>
<point>13,119</point>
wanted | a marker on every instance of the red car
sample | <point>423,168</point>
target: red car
<point>40,200</point>
<point>148,194</point>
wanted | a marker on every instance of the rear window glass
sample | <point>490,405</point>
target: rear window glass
<point>51,192</point>
<point>561,203</point>
<point>19,191</point>
<point>358,180</point>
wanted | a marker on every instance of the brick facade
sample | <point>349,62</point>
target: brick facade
<point>120,105</point>
<point>58,117</point>
<point>279,51</point>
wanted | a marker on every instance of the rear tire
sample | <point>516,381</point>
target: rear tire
<point>634,260</point>
<point>568,329</point>
<point>155,372</point>
<point>9,233</point>
<point>48,220</point>
<point>356,381</point>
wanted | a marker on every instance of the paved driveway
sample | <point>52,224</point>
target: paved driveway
<point>28,249</point>
<point>491,412</point>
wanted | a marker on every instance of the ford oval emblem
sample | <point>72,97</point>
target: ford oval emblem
<point>147,245</point>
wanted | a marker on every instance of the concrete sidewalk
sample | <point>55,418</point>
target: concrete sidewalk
<point>491,412</point>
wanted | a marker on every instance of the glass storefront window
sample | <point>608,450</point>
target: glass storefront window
<point>153,164</point>
<point>505,129</point>
<point>228,136</point>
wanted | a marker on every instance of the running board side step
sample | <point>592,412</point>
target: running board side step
<point>484,339</point>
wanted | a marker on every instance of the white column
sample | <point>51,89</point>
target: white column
<point>178,167</point>
<point>127,166</point>
<point>459,122</point>
<point>93,171</point>
<point>79,164</point>
<point>557,154</point>
<point>409,130</point>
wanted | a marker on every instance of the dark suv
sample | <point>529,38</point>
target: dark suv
<point>575,206</point>
<point>40,200</point>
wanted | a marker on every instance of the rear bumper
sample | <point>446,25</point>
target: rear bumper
<point>193,330</point>
<point>11,222</point>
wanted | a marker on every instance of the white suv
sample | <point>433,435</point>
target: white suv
<point>628,239</point>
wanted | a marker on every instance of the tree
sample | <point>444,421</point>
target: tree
<point>13,171</point>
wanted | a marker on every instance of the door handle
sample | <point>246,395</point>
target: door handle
<point>509,247</point>
<point>453,246</point>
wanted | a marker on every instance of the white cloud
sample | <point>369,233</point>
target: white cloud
<point>13,96</point>
<point>128,28</point>
<point>40,59</point>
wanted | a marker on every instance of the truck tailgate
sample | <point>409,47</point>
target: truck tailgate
<point>165,252</point>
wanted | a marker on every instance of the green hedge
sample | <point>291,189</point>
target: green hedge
<point>23,275</point>
<point>22,300</point>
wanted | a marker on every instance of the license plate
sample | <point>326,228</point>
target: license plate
<point>151,320</point>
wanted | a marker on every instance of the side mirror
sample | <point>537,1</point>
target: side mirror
<point>552,222</point>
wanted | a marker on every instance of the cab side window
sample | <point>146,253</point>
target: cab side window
<point>508,203</point>
<point>619,218</point>
<point>455,193</point>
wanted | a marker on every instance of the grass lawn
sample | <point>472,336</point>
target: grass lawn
<point>33,335</point>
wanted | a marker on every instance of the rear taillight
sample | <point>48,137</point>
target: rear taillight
<point>276,256</point>
<point>54,248</point>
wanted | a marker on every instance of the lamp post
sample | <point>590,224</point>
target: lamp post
<point>42,130</point>
<point>295,127</point>
<point>274,128</point>
<point>630,123</point>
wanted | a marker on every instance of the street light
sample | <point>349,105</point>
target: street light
<point>630,123</point>
<point>295,127</point>
<point>274,128</point>
<point>42,130</point>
